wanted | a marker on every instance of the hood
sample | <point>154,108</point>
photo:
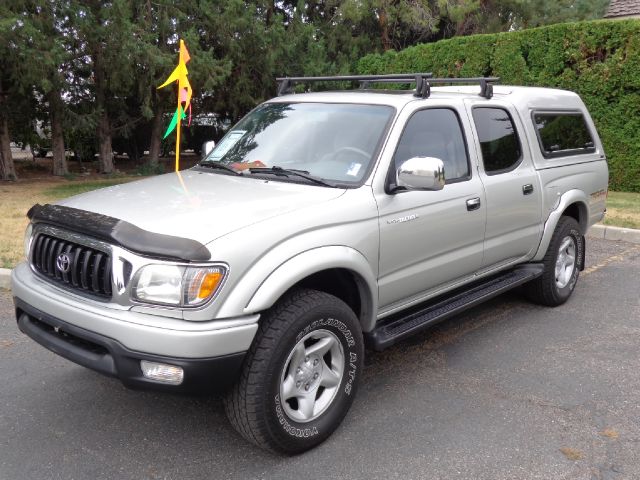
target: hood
<point>200,205</point>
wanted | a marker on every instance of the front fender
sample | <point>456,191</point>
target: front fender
<point>568,198</point>
<point>257,292</point>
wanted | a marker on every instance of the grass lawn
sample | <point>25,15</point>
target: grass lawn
<point>623,209</point>
<point>18,197</point>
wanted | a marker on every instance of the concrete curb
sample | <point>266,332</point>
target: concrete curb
<point>5,278</point>
<point>614,233</point>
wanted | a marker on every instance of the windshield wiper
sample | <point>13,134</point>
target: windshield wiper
<point>219,166</point>
<point>275,170</point>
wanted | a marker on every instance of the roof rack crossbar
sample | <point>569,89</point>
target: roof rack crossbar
<point>486,83</point>
<point>423,82</point>
<point>337,78</point>
<point>285,83</point>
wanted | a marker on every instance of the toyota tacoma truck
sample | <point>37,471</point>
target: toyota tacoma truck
<point>320,224</point>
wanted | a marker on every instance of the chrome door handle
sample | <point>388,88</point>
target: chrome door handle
<point>473,204</point>
<point>527,189</point>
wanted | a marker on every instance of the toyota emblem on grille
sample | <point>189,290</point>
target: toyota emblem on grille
<point>63,262</point>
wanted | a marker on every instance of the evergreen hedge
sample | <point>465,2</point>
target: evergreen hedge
<point>600,60</point>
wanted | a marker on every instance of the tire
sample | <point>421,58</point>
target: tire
<point>561,265</point>
<point>300,375</point>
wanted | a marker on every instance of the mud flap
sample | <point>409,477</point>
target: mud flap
<point>581,255</point>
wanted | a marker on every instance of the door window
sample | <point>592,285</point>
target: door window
<point>499,142</point>
<point>435,132</point>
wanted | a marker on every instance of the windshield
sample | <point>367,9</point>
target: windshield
<point>330,141</point>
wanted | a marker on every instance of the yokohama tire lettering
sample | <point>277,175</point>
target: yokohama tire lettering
<point>290,429</point>
<point>353,358</point>
<point>580,245</point>
<point>329,322</point>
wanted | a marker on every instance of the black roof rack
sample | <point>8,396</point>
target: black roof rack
<point>423,82</point>
<point>285,83</point>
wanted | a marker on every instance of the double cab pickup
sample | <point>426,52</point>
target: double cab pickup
<point>321,223</point>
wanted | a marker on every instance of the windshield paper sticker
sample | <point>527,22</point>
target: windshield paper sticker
<point>354,168</point>
<point>226,144</point>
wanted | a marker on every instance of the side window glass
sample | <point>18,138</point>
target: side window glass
<point>563,134</point>
<point>499,140</point>
<point>435,132</point>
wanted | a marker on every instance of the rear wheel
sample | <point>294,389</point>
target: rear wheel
<point>561,265</point>
<point>300,375</point>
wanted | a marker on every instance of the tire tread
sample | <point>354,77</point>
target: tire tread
<point>541,290</point>
<point>243,404</point>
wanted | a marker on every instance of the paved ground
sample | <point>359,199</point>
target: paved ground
<point>508,391</point>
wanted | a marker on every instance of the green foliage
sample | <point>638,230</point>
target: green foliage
<point>600,60</point>
<point>545,12</point>
<point>91,67</point>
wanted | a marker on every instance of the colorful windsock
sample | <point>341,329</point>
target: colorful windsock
<point>184,97</point>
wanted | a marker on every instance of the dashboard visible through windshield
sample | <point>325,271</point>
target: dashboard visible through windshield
<point>332,142</point>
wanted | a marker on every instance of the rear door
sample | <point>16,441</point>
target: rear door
<point>512,189</point>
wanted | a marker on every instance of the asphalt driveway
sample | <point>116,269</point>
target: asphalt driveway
<point>509,390</point>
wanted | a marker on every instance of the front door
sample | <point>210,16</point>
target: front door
<point>430,240</point>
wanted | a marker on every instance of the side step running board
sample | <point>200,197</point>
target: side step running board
<point>397,328</point>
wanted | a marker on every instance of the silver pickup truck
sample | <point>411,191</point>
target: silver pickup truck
<point>321,223</point>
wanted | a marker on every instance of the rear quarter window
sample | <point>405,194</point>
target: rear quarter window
<point>562,134</point>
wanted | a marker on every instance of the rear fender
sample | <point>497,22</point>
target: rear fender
<point>568,198</point>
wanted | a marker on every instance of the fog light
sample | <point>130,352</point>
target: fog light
<point>162,372</point>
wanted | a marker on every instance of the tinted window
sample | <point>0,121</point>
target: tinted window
<point>435,132</point>
<point>498,139</point>
<point>563,134</point>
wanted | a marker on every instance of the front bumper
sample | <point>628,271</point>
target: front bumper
<point>111,358</point>
<point>112,339</point>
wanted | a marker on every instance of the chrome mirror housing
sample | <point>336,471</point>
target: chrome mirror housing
<point>421,173</point>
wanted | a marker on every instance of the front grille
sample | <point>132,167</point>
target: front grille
<point>89,269</point>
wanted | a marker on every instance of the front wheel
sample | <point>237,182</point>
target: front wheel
<point>561,265</point>
<point>300,375</point>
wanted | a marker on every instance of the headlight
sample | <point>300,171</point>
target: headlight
<point>177,285</point>
<point>27,239</point>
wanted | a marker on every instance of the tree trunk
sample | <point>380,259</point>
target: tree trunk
<point>105,153</point>
<point>270,10</point>
<point>7,168</point>
<point>57,137</point>
<point>383,21</point>
<point>156,139</point>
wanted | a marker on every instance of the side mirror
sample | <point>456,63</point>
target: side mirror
<point>421,173</point>
<point>207,147</point>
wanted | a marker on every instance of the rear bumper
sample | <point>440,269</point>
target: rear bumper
<point>110,357</point>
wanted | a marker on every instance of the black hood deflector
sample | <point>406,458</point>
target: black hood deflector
<point>119,232</point>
